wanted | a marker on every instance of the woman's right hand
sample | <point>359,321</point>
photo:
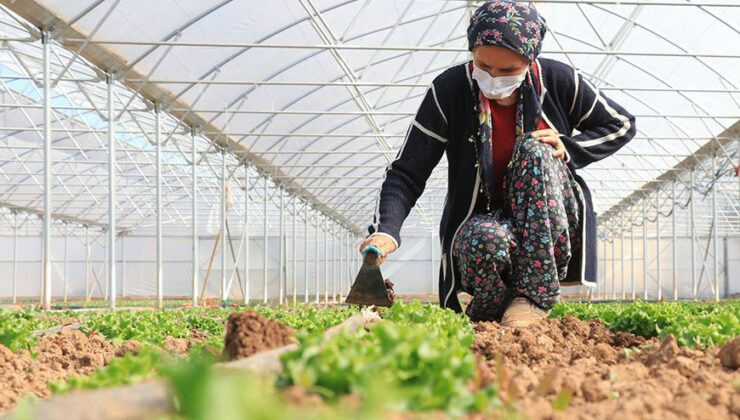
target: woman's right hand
<point>382,242</point>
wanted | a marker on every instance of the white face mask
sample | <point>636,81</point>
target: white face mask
<point>497,87</point>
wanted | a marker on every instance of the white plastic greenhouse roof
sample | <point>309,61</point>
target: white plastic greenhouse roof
<point>317,95</point>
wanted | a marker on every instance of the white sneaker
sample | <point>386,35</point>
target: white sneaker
<point>523,313</point>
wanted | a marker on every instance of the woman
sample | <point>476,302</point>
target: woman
<point>518,222</point>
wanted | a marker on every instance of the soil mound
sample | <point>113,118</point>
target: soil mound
<point>729,354</point>
<point>66,353</point>
<point>248,333</point>
<point>389,288</point>
<point>604,374</point>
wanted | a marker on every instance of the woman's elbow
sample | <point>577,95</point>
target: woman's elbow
<point>631,128</point>
<point>623,124</point>
<point>630,119</point>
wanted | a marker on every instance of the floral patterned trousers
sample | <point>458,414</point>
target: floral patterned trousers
<point>522,250</point>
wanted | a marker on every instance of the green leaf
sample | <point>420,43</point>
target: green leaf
<point>562,400</point>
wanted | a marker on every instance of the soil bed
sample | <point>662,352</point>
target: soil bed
<point>607,374</point>
<point>248,333</point>
<point>61,354</point>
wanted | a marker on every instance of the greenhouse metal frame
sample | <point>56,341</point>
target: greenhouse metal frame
<point>276,134</point>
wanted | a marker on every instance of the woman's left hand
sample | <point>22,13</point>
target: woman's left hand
<point>551,137</point>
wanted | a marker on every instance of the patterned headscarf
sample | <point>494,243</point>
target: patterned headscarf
<point>516,26</point>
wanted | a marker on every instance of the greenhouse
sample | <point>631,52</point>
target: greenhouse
<point>215,156</point>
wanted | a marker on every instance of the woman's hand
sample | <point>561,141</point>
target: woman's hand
<point>382,242</point>
<point>551,137</point>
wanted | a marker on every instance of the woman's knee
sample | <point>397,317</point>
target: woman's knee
<point>535,150</point>
<point>493,243</point>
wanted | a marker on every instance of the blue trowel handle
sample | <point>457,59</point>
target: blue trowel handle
<point>371,254</point>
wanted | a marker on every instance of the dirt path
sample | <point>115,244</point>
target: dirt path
<point>607,375</point>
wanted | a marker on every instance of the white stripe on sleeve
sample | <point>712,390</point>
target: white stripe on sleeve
<point>429,132</point>
<point>434,93</point>
<point>575,92</point>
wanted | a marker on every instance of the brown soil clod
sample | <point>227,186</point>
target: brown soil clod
<point>729,354</point>
<point>248,333</point>
<point>612,374</point>
<point>389,288</point>
<point>176,345</point>
<point>131,346</point>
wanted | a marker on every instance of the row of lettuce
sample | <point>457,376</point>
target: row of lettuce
<point>693,324</point>
<point>697,325</point>
<point>19,328</point>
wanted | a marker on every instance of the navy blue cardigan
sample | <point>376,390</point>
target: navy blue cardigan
<point>445,122</point>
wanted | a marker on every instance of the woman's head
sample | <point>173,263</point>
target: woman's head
<point>505,35</point>
<point>499,61</point>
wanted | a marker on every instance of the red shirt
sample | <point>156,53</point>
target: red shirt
<point>503,118</point>
<point>503,137</point>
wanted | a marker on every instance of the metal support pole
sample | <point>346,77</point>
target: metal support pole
<point>657,243</point>
<point>194,216</point>
<point>123,265</point>
<point>88,264</point>
<point>726,265</point>
<point>316,247</point>
<point>326,260</point>
<point>157,139</point>
<point>621,254</point>
<point>15,257</point>
<point>65,272</point>
<point>433,265</point>
<point>340,264</point>
<point>601,286</point>
<point>693,233</point>
<point>333,264</point>
<point>715,223</point>
<point>644,249</point>
<point>349,272</point>
<point>111,194</point>
<point>674,208</point>
<point>305,254</point>
<point>46,265</point>
<point>632,254</point>
<point>343,263</point>
<point>294,259</point>
<point>281,254</point>
<point>246,234</point>
<point>264,256</point>
<point>357,256</point>
<point>224,233</point>
<point>614,274</point>
<point>340,261</point>
<point>350,260</point>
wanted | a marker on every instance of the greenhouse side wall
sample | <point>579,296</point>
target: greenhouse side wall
<point>615,273</point>
<point>413,268</point>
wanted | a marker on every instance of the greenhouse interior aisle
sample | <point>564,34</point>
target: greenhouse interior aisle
<point>138,138</point>
<point>187,188</point>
